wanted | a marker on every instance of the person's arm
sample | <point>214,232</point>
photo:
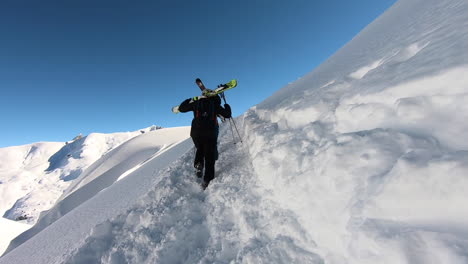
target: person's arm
<point>225,112</point>
<point>186,106</point>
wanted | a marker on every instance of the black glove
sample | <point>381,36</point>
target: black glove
<point>228,109</point>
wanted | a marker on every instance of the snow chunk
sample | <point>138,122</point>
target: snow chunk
<point>361,72</point>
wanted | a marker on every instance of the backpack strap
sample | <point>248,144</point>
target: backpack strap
<point>201,107</point>
<point>212,106</point>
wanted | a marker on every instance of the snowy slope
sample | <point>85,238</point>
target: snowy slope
<point>154,148</point>
<point>10,229</point>
<point>364,160</point>
<point>33,177</point>
<point>21,170</point>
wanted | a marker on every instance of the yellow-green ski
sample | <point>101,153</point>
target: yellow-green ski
<point>209,93</point>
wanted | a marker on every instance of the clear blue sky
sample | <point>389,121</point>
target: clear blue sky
<point>70,67</point>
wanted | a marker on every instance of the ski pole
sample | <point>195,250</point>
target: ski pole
<point>232,132</point>
<point>230,124</point>
<point>233,122</point>
<point>236,130</point>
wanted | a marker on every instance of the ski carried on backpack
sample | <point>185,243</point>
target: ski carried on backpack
<point>209,93</point>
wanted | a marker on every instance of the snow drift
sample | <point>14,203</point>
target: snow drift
<point>364,160</point>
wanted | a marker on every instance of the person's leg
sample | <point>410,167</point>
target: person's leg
<point>198,163</point>
<point>216,147</point>
<point>210,159</point>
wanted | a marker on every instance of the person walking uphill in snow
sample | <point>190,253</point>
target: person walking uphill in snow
<point>205,129</point>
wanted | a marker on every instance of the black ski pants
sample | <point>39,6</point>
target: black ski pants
<point>206,155</point>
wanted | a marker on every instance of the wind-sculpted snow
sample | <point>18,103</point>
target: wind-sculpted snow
<point>345,189</point>
<point>414,39</point>
<point>435,106</point>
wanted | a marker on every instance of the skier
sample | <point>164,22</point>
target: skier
<point>205,129</point>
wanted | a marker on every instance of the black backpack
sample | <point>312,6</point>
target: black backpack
<point>205,115</point>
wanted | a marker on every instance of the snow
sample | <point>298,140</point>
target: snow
<point>108,199</point>
<point>359,74</point>
<point>10,229</point>
<point>420,106</point>
<point>21,168</point>
<point>363,160</point>
<point>34,176</point>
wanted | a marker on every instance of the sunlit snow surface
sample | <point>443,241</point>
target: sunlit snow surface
<point>34,176</point>
<point>9,229</point>
<point>364,160</point>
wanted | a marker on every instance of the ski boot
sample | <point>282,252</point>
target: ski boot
<point>199,169</point>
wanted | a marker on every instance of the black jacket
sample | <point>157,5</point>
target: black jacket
<point>205,112</point>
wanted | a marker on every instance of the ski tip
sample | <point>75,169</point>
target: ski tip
<point>232,83</point>
<point>200,84</point>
